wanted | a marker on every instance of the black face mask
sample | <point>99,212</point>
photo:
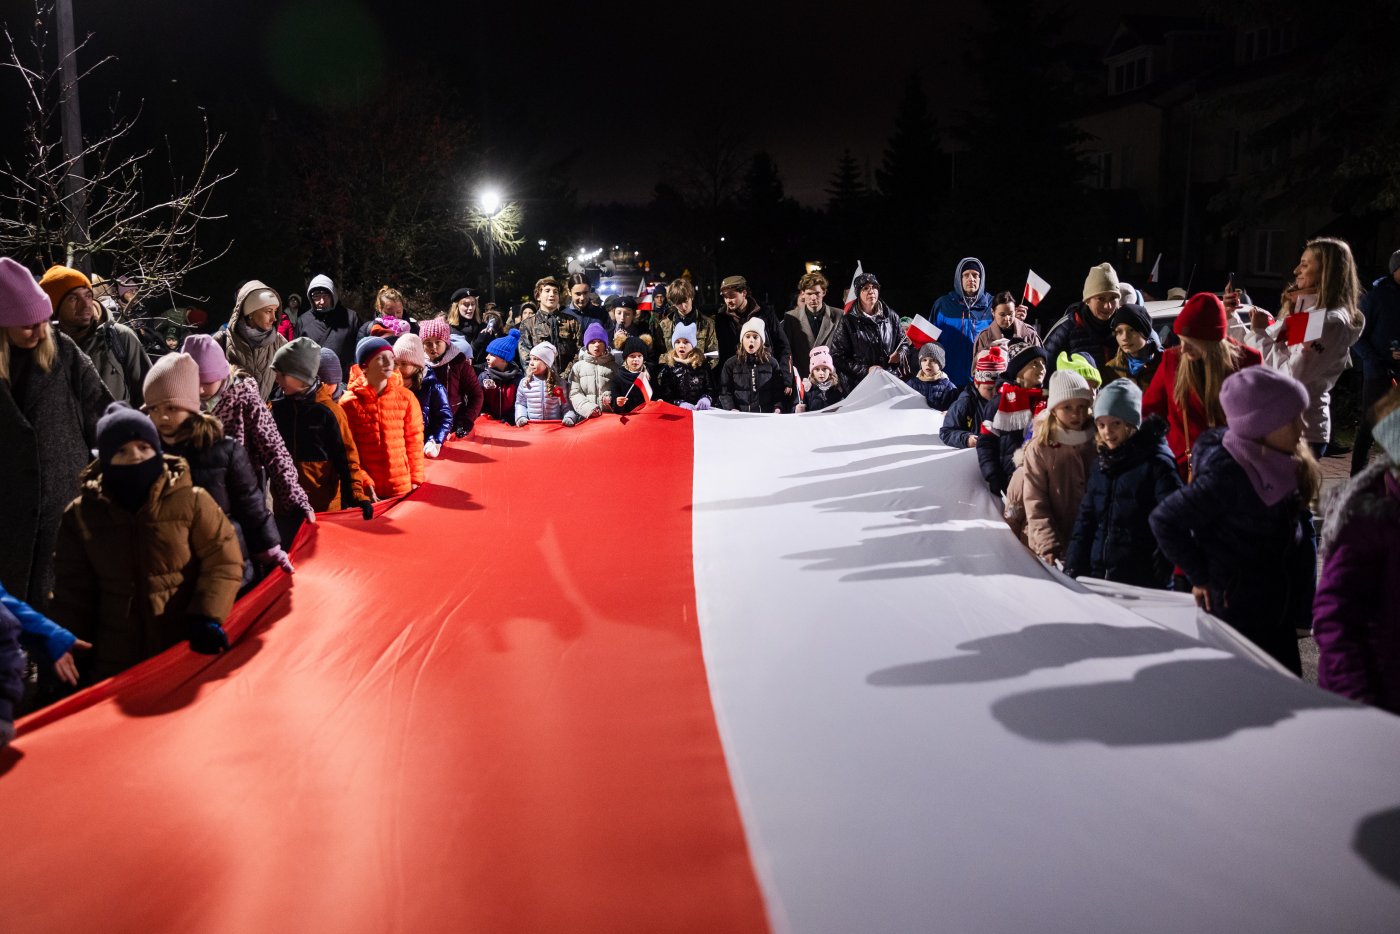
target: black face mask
<point>129,485</point>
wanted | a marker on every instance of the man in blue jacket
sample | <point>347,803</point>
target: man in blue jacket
<point>963,314</point>
<point>1379,350</point>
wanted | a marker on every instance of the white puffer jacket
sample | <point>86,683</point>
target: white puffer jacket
<point>589,378</point>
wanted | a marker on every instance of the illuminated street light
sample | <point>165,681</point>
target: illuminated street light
<point>490,206</point>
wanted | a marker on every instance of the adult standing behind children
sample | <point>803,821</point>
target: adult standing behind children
<point>50,399</point>
<point>1086,327</point>
<point>868,337</point>
<point>549,323</point>
<point>1007,324</point>
<point>680,310</point>
<point>327,322</point>
<point>113,348</point>
<point>251,340</point>
<point>812,322</point>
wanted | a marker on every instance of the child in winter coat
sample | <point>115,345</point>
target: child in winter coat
<point>1133,472</point>
<point>328,371</point>
<point>685,375</point>
<point>1054,468</point>
<point>454,371</point>
<point>233,398</point>
<point>27,626</point>
<point>1241,530</point>
<point>590,378</point>
<point>1356,612</point>
<point>540,397</point>
<point>1138,353</point>
<point>315,428</point>
<point>12,666</point>
<point>385,420</point>
<point>821,387</point>
<point>217,464</point>
<point>1083,364</point>
<point>751,380</point>
<point>500,377</point>
<point>627,394</point>
<point>975,405</point>
<point>931,382</point>
<point>139,508</point>
<point>1019,397</point>
<point>412,363</point>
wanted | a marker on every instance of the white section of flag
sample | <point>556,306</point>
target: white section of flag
<point>926,729</point>
<point>1156,270</point>
<point>851,290</point>
<point>923,331</point>
<point>1036,288</point>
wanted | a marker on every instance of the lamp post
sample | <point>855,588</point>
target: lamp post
<point>490,206</point>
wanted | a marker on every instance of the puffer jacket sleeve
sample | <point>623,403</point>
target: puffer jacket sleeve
<point>1343,609</point>
<point>439,414</point>
<point>11,667</point>
<point>214,543</point>
<point>361,486</point>
<point>578,393</point>
<point>413,438</point>
<point>522,406</point>
<point>246,502</point>
<point>726,384</point>
<point>470,390</point>
<point>1086,524</point>
<point>1175,520</point>
<point>266,447</point>
<point>843,353</point>
<point>57,640</point>
<point>1041,535</point>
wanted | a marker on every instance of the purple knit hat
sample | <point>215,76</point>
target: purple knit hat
<point>1257,400</point>
<point>213,365</point>
<point>22,302</point>
<point>594,332</point>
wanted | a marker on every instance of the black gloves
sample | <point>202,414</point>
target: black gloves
<point>464,428</point>
<point>206,636</point>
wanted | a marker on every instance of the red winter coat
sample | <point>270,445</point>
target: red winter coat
<point>388,431</point>
<point>1160,399</point>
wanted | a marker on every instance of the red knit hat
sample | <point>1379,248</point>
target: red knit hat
<point>1202,317</point>
<point>991,363</point>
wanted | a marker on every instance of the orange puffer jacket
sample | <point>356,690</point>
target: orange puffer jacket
<point>388,430</point>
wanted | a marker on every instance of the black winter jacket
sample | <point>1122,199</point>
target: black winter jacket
<point>333,329</point>
<point>681,382</point>
<point>225,472</point>
<point>751,386</point>
<point>965,416</point>
<point>311,433</point>
<point>819,398</point>
<point>1381,306</point>
<point>1080,332</point>
<point>857,344</point>
<point>627,397</point>
<point>1258,562</point>
<point>1112,539</point>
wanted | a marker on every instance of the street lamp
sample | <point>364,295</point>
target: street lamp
<point>490,206</point>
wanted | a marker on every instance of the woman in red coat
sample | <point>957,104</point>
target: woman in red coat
<point>1186,388</point>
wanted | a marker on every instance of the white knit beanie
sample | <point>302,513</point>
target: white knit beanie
<point>756,326</point>
<point>1066,386</point>
<point>546,352</point>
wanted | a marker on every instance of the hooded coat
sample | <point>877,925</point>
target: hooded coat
<point>248,421</point>
<point>1357,605</point>
<point>962,318</point>
<point>388,431</point>
<point>334,328</point>
<point>253,356</point>
<point>133,581</point>
<point>317,435</point>
<point>1257,561</point>
<point>47,432</point>
<point>458,377</point>
<point>1112,539</point>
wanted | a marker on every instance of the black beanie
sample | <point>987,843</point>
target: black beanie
<point>633,345</point>
<point>1135,317</point>
<point>120,424</point>
<point>1022,360</point>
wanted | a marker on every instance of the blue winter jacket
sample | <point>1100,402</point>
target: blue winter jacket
<point>1258,562</point>
<point>939,393</point>
<point>1381,306</point>
<point>57,640</point>
<point>961,318</point>
<point>1112,539</point>
<point>965,416</point>
<point>437,411</point>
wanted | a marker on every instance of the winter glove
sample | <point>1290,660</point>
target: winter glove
<point>687,406</point>
<point>521,422</point>
<point>703,404</point>
<point>463,429</point>
<point>431,448</point>
<point>570,419</point>
<point>367,510</point>
<point>310,515</point>
<point>206,636</point>
<point>276,555</point>
<point>488,383</point>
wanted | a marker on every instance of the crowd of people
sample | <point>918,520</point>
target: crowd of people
<point>147,491</point>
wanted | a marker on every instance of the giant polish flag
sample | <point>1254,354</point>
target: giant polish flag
<point>769,673</point>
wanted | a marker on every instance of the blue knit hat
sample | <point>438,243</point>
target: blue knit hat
<point>370,347</point>
<point>685,332</point>
<point>1120,399</point>
<point>505,347</point>
<point>329,370</point>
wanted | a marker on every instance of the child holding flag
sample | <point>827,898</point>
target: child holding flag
<point>1241,531</point>
<point>822,388</point>
<point>685,375</point>
<point>1319,321</point>
<point>631,387</point>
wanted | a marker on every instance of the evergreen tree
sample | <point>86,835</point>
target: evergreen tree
<point>847,193</point>
<point>911,177</point>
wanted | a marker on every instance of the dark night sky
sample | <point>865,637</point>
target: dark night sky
<point>624,85</point>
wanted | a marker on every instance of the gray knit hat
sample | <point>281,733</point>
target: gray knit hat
<point>935,351</point>
<point>299,359</point>
<point>1120,399</point>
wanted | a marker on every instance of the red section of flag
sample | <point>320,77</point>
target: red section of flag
<point>1036,288</point>
<point>390,747</point>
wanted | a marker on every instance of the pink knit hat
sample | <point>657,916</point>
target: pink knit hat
<point>409,349</point>
<point>22,302</point>
<point>213,365</point>
<point>174,379</point>
<point>434,329</point>
<point>821,356</point>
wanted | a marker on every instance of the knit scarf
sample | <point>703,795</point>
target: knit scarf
<point>254,337</point>
<point>1273,474</point>
<point>1072,439</point>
